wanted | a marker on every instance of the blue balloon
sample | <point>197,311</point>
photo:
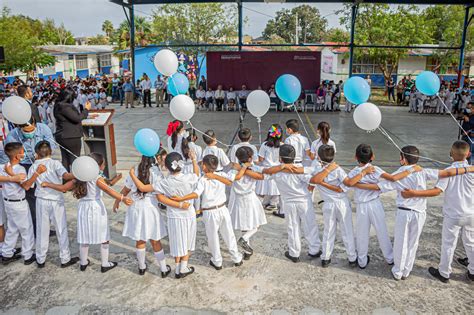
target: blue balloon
<point>288,88</point>
<point>356,90</point>
<point>428,83</point>
<point>178,84</point>
<point>147,142</point>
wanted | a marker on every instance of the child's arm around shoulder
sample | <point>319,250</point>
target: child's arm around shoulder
<point>171,203</point>
<point>125,191</point>
<point>30,181</point>
<point>321,176</point>
<point>449,172</point>
<point>331,187</point>
<point>67,186</point>
<point>112,193</point>
<point>410,193</point>
<point>219,178</point>
<point>351,181</point>
<point>140,186</point>
<point>401,175</point>
<point>11,177</point>
<point>367,186</point>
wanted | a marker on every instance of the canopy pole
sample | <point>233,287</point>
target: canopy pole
<point>467,21</point>
<point>132,41</point>
<point>240,22</point>
<point>354,8</point>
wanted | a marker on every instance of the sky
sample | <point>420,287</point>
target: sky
<point>85,17</point>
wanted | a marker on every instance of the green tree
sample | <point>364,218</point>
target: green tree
<point>337,35</point>
<point>311,26</point>
<point>108,28</point>
<point>98,40</point>
<point>50,34</point>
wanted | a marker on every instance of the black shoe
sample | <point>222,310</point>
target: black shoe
<point>435,273</point>
<point>71,262</point>
<point>463,261</point>
<point>185,274</point>
<point>293,259</point>
<point>141,272</point>
<point>278,214</point>
<point>17,251</point>
<point>245,246</point>
<point>105,269</point>
<point>215,267</point>
<point>270,207</point>
<point>391,264</point>
<point>30,261</point>
<point>404,278</point>
<point>7,260</point>
<point>52,233</point>
<point>353,263</point>
<point>317,255</point>
<point>84,267</point>
<point>40,265</point>
<point>368,261</point>
<point>470,276</point>
<point>325,263</point>
<point>240,263</point>
<point>166,273</point>
<point>247,256</point>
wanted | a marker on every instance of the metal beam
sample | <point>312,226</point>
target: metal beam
<point>240,17</point>
<point>354,9</point>
<point>463,46</point>
<point>132,41</point>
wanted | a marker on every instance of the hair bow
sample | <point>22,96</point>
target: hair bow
<point>176,164</point>
<point>172,126</point>
<point>274,132</point>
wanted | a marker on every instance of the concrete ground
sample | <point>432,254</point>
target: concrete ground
<point>268,283</point>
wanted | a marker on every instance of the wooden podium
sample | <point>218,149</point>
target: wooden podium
<point>99,136</point>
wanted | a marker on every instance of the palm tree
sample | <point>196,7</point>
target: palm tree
<point>108,28</point>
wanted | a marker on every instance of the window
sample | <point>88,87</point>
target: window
<point>105,60</point>
<point>432,64</point>
<point>367,65</point>
<point>81,62</point>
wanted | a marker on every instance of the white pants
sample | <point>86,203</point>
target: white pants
<point>420,104</point>
<point>408,228</point>
<point>348,107</point>
<point>449,237</point>
<point>449,106</point>
<point>412,104</point>
<point>216,221</point>
<point>3,215</point>
<point>327,103</point>
<point>320,103</point>
<point>19,224</point>
<point>271,200</point>
<point>301,216</point>
<point>334,213</point>
<point>48,211</point>
<point>368,214</point>
<point>439,107</point>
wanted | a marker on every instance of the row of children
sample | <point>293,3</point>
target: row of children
<point>455,101</point>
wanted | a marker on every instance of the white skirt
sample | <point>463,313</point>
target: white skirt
<point>143,221</point>
<point>92,222</point>
<point>267,187</point>
<point>246,211</point>
<point>182,235</point>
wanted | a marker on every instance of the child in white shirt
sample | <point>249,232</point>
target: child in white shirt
<point>298,141</point>
<point>245,135</point>
<point>323,130</point>
<point>210,140</point>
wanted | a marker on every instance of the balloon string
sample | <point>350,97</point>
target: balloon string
<point>199,131</point>
<point>302,123</point>
<point>385,133</point>
<point>65,149</point>
<point>259,120</point>
<point>454,118</point>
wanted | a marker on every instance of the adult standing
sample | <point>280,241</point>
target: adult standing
<point>203,83</point>
<point>160,91</point>
<point>69,126</point>
<point>115,87</point>
<point>145,85</point>
<point>127,88</point>
<point>391,89</point>
<point>25,92</point>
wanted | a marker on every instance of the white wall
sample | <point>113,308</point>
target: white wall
<point>411,65</point>
<point>334,70</point>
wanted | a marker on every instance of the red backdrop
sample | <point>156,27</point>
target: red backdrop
<point>262,68</point>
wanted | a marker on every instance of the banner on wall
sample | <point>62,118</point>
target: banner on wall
<point>327,64</point>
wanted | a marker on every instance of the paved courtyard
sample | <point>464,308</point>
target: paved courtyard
<point>268,283</point>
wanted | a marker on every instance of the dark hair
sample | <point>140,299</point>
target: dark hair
<point>293,125</point>
<point>66,95</point>
<point>245,134</point>
<point>192,134</point>
<point>323,128</point>
<point>144,171</point>
<point>326,153</point>
<point>170,158</point>
<point>211,161</point>
<point>273,141</point>
<point>209,137</point>
<point>21,90</point>
<point>43,149</point>
<point>287,153</point>
<point>244,154</point>
<point>364,153</point>
<point>13,148</point>
<point>161,152</point>
<point>174,135</point>
<point>459,149</point>
<point>411,154</point>
<point>80,188</point>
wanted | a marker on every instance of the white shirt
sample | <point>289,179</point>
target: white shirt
<point>12,190</point>
<point>145,84</point>
<point>154,177</point>
<point>319,142</point>
<point>458,193</point>
<point>209,94</point>
<point>219,153</point>
<point>211,191</point>
<point>365,195</point>
<point>177,147</point>
<point>93,192</point>
<point>292,187</point>
<point>270,155</point>
<point>219,94</point>
<point>246,184</point>
<point>234,148</point>
<point>177,185</point>
<point>335,178</point>
<point>243,93</point>
<point>301,145</point>
<point>54,174</point>
<point>231,95</point>
<point>200,94</point>
<point>416,181</point>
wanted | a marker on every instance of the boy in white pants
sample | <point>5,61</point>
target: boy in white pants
<point>245,136</point>
<point>458,212</point>
<point>298,141</point>
<point>216,217</point>
<point>17,210</point>
<point>297,204</point>
<point>49,204</point>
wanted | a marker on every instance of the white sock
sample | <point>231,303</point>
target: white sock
<point>141,252</point>
<point>248,235</point>
<point>160,258</point>
<point>177,270</point>
<point>83,253</point>
<point>104,255</point>
<point>184,266</point>
<point>1,245</point>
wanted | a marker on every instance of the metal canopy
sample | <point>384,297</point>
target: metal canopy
<point>129,4</point>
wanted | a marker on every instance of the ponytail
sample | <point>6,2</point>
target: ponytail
<point>144,171</point>
<point>323,128</point>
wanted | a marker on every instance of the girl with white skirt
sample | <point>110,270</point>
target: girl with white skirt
<point>92,222</point>
<point>268,156</point>
<point>143,220</point>
<point>245,208</point>
<point>181,215</point>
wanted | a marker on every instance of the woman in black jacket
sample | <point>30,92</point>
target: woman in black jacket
<point>69,125</point>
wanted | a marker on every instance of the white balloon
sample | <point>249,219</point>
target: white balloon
<point>258,103</point>
<point>182,107</point>
<point>166,62</point>
<point>17,110</point>
<point>109,99</point>
<point>367,116</point>
<point>85,168</point>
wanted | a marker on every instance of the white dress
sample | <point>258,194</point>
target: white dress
<point>92,222</point>
<point>270,155</point>
<point>245,208</point>
<point>188,164</point>
<point>143,220</point>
